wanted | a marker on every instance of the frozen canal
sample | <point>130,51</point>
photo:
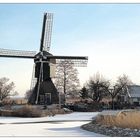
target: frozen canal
<point>67,125</point>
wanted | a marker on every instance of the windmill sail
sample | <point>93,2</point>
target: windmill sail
<point>16,53</point>
<point>46,32</point>
<point>74,62</point>
<point>77,61</point>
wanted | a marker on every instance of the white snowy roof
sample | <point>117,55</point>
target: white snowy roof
<point>134,90</point>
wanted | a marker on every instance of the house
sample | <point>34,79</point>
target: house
<point>132,95</point>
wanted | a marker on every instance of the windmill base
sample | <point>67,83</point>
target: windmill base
<point>47,94</point>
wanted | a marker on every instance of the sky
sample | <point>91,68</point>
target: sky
<point>109,34</point>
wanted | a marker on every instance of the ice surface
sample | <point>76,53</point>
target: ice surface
<point>59,125</point>
<point>66,117</point>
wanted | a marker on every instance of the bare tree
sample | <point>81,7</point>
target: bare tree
<point>114,92</point>
<point>119,88</point>
<point>124,80</point>
<point>66,80</point>
<point>98,86</point>
<point>6,89</point>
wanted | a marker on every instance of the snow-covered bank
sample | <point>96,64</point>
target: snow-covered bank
<point>55,129</point>
<point>116,123</point>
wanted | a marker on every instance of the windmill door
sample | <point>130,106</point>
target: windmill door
<point>48,98</point>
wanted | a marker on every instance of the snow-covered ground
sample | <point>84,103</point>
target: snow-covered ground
<point>111,112</point>
<point>59,125</point>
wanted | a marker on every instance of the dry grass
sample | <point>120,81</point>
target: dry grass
<point>25,111</point>
<point>6,113</point>
<point>28,111</point>
<point>31,111</point>
<point>125,119</point>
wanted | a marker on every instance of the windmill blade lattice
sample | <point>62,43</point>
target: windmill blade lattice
<point>16,53</point>
<point>77,61</point>
<point>74,62</point>
<point>47,32</point>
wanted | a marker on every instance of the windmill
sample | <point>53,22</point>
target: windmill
<point>44,90</point>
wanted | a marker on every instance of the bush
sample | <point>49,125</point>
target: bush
<point>123,119</point>
<point>28,111</point>
<point>32,111</point>
<point>6,113</point>
<point>25,111</point>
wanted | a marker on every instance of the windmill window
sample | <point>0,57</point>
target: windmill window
<point>48,98</point>
<point>41,99</point>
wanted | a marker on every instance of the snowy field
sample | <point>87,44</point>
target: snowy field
<point>67,125</point>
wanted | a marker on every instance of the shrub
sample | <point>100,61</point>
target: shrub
<point>124,119</point>
<point>31,111</point>
<point>6,112</point>
<point>28,111</point>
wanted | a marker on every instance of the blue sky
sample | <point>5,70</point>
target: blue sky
<point>109,34</point>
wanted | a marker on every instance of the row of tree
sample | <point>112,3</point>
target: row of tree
<point>96,88</point>
<point>67,82</point>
